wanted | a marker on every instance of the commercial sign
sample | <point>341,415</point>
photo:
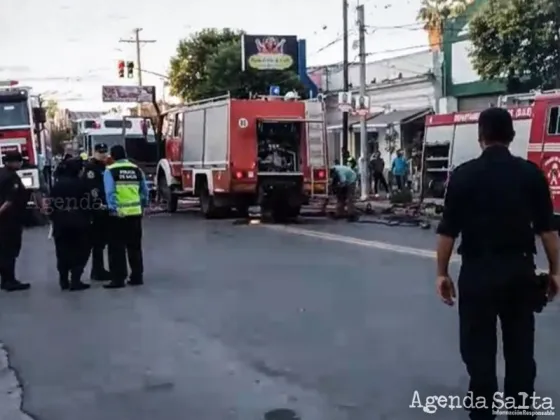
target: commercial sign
<point>518,113</point>
<point>269,52</point>
<point>128,93</point>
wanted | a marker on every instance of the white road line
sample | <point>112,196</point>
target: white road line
<point>419,252</point>
<point>385,246</point>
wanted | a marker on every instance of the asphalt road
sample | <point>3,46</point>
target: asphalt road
<point>236,321</point>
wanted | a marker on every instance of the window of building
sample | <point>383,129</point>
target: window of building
<point>554,121</point>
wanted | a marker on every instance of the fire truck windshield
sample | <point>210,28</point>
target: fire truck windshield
<point>14,114</point>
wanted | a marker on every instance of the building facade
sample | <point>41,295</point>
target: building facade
<point>401,90</point>
<point>463,88</point>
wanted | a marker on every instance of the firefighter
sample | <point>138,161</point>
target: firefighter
<point>13,202</point>
<point>126,193</point>
<point>343,181</point>
<point>71,220</point>
<point>497,203</point>
<point>93,178</point>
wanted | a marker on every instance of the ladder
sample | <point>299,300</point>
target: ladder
<point>524,99</point>
<point>316,142</point>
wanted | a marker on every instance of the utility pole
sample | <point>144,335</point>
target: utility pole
<point>345,81</point>
<point>363,126</point>
<point>139,42</point>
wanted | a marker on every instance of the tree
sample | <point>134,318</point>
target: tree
<point>435,13</point>
<point>209,64</point>
<point>515,41</point>
<point>51,108</point>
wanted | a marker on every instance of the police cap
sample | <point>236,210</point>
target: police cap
<point>12,156</point>
<point>101,148</point>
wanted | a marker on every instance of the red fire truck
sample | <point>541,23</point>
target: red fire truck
<point>451,139</point>
<point>21,119</point>
<point>233,153</point>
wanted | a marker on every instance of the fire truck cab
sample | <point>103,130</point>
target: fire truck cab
<point>234,153</point>
<point>21,120</point>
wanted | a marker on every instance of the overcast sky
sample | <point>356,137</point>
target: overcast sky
<point>69,48</point>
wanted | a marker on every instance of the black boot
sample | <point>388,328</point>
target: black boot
<point>115,284</point>
<point>9,282</point>
<point>76,283</point>
<point>136,281</point>
<point>100,275</point>
<point>14,286</point>
<point>63,280</point>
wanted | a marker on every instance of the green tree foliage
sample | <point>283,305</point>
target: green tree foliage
<point>515,40</point>
<point>434,13</point>
<point>58,140</point>
<point>209,64</point>
<point>51,108</point>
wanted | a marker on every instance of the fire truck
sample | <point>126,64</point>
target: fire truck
<point>21,129</point>
<point>451,139</point>
<point>237,153</point>
<point>135,134</point>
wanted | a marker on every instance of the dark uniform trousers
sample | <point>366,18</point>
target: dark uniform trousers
<point>492,289</point>
<point>72,251</point>
<point>11,233</point>
<point>99,240</point>
<point>125,242</point>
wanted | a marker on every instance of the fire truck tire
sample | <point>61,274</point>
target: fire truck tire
<point>166,197</point>
<point>207,206</point>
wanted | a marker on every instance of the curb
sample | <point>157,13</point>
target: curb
<point>11,392</point>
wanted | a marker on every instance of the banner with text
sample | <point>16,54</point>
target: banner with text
<point>269,52</point>
<point>128,93</point>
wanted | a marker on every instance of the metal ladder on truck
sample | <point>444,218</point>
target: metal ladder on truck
<point>317,152</point>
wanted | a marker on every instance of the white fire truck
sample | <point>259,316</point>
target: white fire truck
<point>135,134</point>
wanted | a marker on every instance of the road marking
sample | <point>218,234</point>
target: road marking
<point>385,246</point>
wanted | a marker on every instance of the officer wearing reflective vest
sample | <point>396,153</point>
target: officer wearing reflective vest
<point>127,197</point>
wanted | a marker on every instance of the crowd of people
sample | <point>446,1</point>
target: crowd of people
<point>92,206</point>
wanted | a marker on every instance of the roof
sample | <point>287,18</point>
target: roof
<point>397,117</point>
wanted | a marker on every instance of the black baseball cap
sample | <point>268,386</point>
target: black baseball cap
<point>13,156</point>
<point>101,148</point>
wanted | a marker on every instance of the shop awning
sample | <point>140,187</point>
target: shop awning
<point>353,121</point>
<point>397,117</point>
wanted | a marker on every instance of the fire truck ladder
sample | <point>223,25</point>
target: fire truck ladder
<point>524,99</point>
<point>316,146</point>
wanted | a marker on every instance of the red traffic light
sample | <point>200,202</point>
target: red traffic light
<point>121,68</point>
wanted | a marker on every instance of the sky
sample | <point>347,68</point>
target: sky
<point>67,49</point>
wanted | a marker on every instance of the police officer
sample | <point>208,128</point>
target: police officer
<point>93,177</point>
<point>127,196</point>
<point>497,203</point>
<point>13,202</point>
<point>71,220</point>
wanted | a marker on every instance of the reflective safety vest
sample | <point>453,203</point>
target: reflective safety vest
<point>127,178</point>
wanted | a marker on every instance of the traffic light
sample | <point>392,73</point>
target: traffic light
<point>130,68</point>
<point>121,69</point>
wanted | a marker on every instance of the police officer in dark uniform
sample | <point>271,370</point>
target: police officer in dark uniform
<point>93,177</point>
<point>13,202</point>
<point>71,221</point>
<point>497,203</point>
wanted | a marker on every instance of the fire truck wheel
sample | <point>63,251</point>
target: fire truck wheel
<point>207,207</point>
<point>169,200</point>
